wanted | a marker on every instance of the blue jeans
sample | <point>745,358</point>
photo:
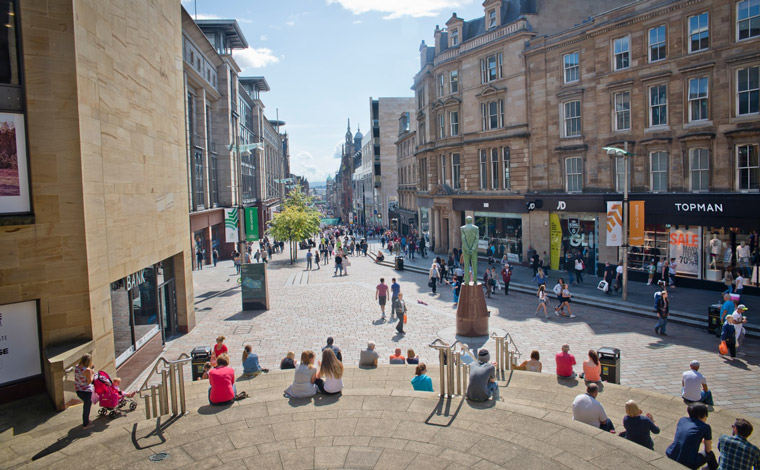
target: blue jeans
<point>493,390</point>
<point>337,268</point>
<point>86,398</point>
<point>570,277</point>
<point>706,398</point>
<point>662,323</point>
<point>607,426</point>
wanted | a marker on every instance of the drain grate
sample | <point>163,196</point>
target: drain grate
<point>159,457</point>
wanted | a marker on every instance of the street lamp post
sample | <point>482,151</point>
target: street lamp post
<point>616,152</point>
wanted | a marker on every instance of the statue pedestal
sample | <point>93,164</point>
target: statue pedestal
<point>472,313</point>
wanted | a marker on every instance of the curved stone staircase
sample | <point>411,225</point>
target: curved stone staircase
<point>378,422</point>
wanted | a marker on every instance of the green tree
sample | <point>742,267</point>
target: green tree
<point>298,221</point>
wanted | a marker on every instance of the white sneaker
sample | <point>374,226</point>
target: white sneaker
<point>556,312</point>
<point>572,316</point>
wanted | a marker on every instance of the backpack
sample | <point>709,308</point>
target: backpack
<point>557,289</point>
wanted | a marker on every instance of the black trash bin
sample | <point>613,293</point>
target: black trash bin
<point>400,263</point>
<point>199,357</point>
<point>713,318</point>
<point>609,359</point>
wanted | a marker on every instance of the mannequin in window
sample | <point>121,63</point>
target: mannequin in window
<point>728,255</point>
<point>715,249</point>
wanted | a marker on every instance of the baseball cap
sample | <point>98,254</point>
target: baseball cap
<point>741,307</point>
<point>695,363</point>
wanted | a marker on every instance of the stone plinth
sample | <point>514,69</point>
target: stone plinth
<point>472,313</point>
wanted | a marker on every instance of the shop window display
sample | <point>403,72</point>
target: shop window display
<point>730,249</point>
<point>656,240</point>
<point>134,309</point>
<point>579,236</point>
<point>501,232</point>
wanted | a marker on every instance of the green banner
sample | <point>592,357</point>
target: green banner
<point>251,224</point>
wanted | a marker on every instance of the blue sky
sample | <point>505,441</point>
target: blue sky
<point>323,59</point>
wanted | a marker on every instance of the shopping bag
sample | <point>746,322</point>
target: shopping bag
<point>603,286</point>
<point>723,348</point>
<point>405,318</point>
<point>95,398</point>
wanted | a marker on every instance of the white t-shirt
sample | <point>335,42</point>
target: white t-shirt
<point>692,385</point>
<point>742,251</point>
<point>619,269</point>
<point>739,282</point>
<point>738,325</point>
<point>587,410</point>
<point>557,289</point>
<point>333,385</point>
<point>715,246</point>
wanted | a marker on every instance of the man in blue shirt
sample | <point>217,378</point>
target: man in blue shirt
<point>690,433</point>
<point>728,307</point>
<point>735,452</point>
<point>395,289</point>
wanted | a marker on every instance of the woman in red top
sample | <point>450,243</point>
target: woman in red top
<point>218,349</point>
<point>222,380</point>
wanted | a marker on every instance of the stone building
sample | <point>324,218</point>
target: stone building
<point>94,226</point>
<point>676,83</point>
<point>407,213</point>
<point>364,184</point>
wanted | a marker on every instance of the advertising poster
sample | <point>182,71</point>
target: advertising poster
<point>231,225</point>
<point>614,223</point>
<point>636,223</point>
<point>254,286</point>
<point>251,224</point>
<point>555,234</point>
<point>685,246</point>
<point>19,342</point>
<point>14,179</point>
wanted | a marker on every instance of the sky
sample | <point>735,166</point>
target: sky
<point>324,59</point>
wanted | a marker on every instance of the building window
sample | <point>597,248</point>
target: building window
<point>443,169</point>
<point>421,98</point>
<point>214,180</point>
<point>198,178</point>
<point>698,99</point>
<point>657,44</point>
<point>455,170</point>
<point>454,81</point>
<point>622,103</point>
<point>748,19</point>
<point>749,167</point>
<point>492,19</point>
<point>574,174</point>
<point>699,32</point>
<point>748,88</point>
<point>441,126</point>
<point>571,66</point>
<point>507,165</point>
<point>699,166</point>
<point>454,37</point>
<point>423,174</point>
<point>658,105</point>
<point>440,85</point>
<point>622,53</point>
<point>659,171</point>
<point>490,68</point>
<point>492,114</point>
<point>620,174</point>
<point>483,168</point>
<point>572,118</point>
<point>494,168</point>
<point>454,122</point>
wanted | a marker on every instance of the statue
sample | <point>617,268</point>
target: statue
<point>470,235</point>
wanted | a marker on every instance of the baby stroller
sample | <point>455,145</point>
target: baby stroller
<point>112,401</point>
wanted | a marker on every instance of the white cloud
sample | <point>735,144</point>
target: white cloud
<point>358,22</point>
<point>399,8</point>
<point>254,57</point>
<point>244,20</point>
<point>263,37</point>
<point>290,23</point>
<point>304,156</point>
<point>205,16</point>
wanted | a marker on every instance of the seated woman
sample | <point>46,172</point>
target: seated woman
<point>592,370</point>
<point>637,427</point>
<point>218,349</point>
<point>330,376</point>
<point>421,382</point>
<point>251,367</point>
<point>380,257</point>
<point>304,378</point>
<point>222,380</point>
<point>532,365</point>
<point>288,362</point>
<point>411,357</point>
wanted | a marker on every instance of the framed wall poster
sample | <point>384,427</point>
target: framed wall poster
<point>14,174</point>
<point>19,342</point>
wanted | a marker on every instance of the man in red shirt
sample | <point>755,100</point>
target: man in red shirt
<point>222,381</point>
<point>381,295</point>
<point>565,362</point>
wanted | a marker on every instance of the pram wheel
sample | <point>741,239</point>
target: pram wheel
<point>102,412</point>
<point>133,406</point>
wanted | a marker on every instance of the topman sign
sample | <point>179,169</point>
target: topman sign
<point>695,207</point>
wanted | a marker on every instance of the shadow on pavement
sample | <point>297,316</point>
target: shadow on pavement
<point>213,409</point>
<point>157,432</point>
<point>245,315</point>
<point>72,436</point>
<point>35,411</point>
<point>443,409</point>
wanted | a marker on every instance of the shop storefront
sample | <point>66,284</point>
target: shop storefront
<point>580,236</point>
<point>20,354</point>
<point>500,221</point>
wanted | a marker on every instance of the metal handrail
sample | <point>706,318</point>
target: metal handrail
<point>512,341</point>
<point>183,358</point>
<point>158,398</point>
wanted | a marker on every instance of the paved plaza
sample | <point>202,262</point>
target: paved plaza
<point>307,307</point>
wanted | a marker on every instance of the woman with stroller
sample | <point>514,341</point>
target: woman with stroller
<point>84,373</point>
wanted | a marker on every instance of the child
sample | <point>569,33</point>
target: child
<point>206,368</point>
<point>455,284</point>
<point>116,384</point>
<point>652,269</point>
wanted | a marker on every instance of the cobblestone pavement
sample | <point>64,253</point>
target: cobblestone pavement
<point>303,315</point>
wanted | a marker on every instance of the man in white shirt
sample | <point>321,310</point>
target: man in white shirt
<point>369,357</point>
<point>587,409</point>
<point>739,321</point>
<point>742,255</point>
<point>694,386</point>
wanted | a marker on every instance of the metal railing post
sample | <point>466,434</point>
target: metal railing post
<point>164,393</point>
<point>499,365</point>
<point>441,366</point>
<point>173,383</point>
<point>466,381</point>
<point>147,406</point>
<point>507,354</point>
<point>181,377</point>
<point>153,400</point>
<point>450,376</point>
<point>459,373</point>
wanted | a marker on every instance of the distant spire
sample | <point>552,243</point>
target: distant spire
<point>358,128</point>
<point>348,127</point>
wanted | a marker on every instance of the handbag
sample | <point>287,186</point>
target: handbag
<point>405,318</point>
<point>603,286</point>
<point>430,283</point>
<point>723,348</point>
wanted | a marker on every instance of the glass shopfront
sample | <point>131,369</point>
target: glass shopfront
<point>425,220</point>
<point>656,247</point>
<point>503,232</point>
<point>729,248</point>
<point>580,235</point>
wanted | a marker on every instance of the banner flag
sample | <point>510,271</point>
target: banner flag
<point>614,223</point>
<point>251,224</point>
<point>555,238</point>
<point>636,223</point>
<point>231,225</point>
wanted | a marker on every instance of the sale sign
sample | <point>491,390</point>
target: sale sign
<point>686,246</point>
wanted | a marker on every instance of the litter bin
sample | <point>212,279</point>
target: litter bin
<point>609,359</point>
<point>199,357</point>
<point>399,263</point>
<point>713,318</point>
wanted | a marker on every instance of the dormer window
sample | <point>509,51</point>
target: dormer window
<point>492,19</point>
<point>454,37</point>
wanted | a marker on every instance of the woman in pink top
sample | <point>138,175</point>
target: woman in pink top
<point>222,381</point>
<point>592,369</point>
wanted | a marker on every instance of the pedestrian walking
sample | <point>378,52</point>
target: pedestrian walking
<point>84,374</point>
<point>236,261</point>
<point>672,273</point>
<point>381,294</point>
<point>566,296</point>
<point>506,277</point>
<point>316,259</point>
<point>558,288</point>
<point>257,256</point>
<point>395,291</point>
<point>456,286</point>
<point>338,264</point>
<point>569,268</point>
<point>433,276</point>
<point>199,254</point>
<point>400,313</point>
<point>265,255</point>
<point>215,256</point>
<point>663,310</point>
<point>346,264</point>
<point>487,278</point>
<point>540,277</point>
<point>309,257</point>
<point>609,275</point>
<point>579,267</point>
<point>542,299</point>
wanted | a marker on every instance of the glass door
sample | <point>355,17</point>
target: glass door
<point>167,305</point>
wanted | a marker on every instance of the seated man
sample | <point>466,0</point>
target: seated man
<point>397,358</point>
<point>735,451</point>
<point>335,349</point>
<point>565,362</point>
<point>691,432</point>
<point>694,386</point>
<point>369,357</point>
<point>587,409</point>
<point>483,379</point>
